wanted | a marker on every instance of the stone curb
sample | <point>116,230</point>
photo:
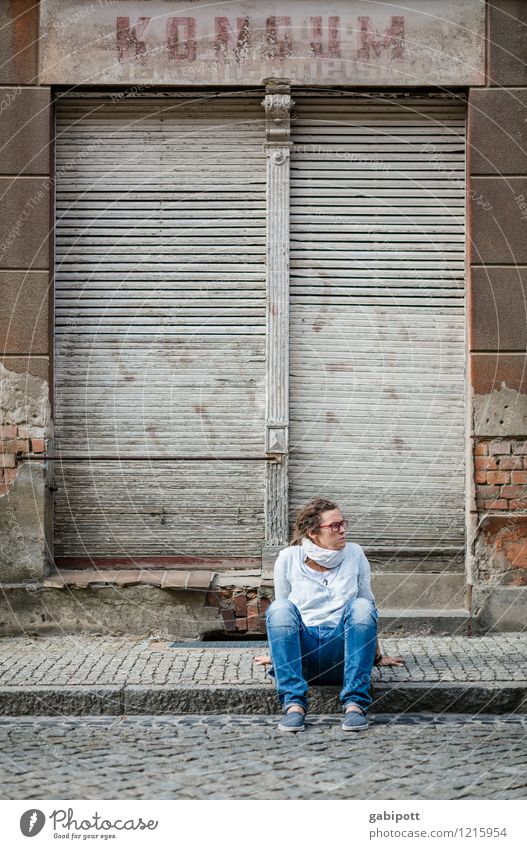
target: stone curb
<point>130,699</point>
<point>60,701</point>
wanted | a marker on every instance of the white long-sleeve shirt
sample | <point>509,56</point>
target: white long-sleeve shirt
<point>319,604</point>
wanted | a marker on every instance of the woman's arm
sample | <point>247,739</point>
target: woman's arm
<point>364,579</point>
<point>282,585</point>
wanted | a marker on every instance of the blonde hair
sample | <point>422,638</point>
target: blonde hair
<point>308,518</point>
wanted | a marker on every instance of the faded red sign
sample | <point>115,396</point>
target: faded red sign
<point>305,41</point>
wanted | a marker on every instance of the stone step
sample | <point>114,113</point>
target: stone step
<point>405,623</point>
<point>419,590</point>
<point>149,699</point>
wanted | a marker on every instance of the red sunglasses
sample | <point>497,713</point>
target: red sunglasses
<point>336,527</point>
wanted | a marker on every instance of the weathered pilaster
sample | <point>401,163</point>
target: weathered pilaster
<point>277,106</point>
<point>25,230</point>
<point>497,298</point>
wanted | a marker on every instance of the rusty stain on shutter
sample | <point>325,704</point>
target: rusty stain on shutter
<point>160,324</point>
<point>377,315</point>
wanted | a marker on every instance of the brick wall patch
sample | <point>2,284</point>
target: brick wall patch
<point>500,474</point>
<point>241,610</point>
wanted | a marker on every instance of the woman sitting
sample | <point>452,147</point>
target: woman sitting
<point>322,626</point>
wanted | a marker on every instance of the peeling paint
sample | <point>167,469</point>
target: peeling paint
<point>22,526</point>
<point>25,421</point>
<point>502,412</point>
<point>24,398</point>
<point>501,550</point>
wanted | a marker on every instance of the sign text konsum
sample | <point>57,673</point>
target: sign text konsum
<point>418,42</point>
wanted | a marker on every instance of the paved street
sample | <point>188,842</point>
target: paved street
<point>242,757</point>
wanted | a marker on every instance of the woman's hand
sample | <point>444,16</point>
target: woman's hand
<point>386,660</point>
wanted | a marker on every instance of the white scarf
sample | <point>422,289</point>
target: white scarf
<point>327,557</point>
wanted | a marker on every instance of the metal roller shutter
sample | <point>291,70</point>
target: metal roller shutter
<point>377,315</point>
<point>160,325</point>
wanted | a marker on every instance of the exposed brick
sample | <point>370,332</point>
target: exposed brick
<point>4,489</point>
<point>8,432</point>
<point>38,446</point>
<point>500,446</point>
<point>513,492</point>
<point>10,475</point>
<point>499,504</point>
<point>508,463</point>
<point>518,504</point>
<point>506,538</point>
<point>499,477</point>
<point>485,492</point>
<point>7,461</point>
<point>211,599</point>
<point>488,463</point>
<point>241,623</point>
<point>22,446</point>
<point>489,372</point>
<point>31,432</point>
<point>481,449</point>
<point>519,477</point>
<point>265,603</point>
<point>252,615</point>
<point>228,619</point>
<point>481,477</point>
<point>239,602</point>
<point>262,627</point>
<point>519,447</point>
<point>8,446</point>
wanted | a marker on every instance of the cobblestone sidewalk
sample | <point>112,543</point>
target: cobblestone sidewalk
<point>86,675</point>
<point>99,661</point>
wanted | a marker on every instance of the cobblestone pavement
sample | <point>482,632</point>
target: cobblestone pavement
<point>85,660</point>
<point>242,757</point>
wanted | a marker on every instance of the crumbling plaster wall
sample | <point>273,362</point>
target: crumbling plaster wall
<point>24,429</point>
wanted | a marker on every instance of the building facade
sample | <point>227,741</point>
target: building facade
<point>250,256</point>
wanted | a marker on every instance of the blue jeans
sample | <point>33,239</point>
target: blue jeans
<point>341,654</point>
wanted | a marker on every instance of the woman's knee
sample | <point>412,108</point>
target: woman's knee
<point>361,611</point>
<point>282,612</point>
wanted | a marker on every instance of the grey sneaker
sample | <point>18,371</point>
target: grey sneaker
<point>355,721</point>
<point>293,721</point>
